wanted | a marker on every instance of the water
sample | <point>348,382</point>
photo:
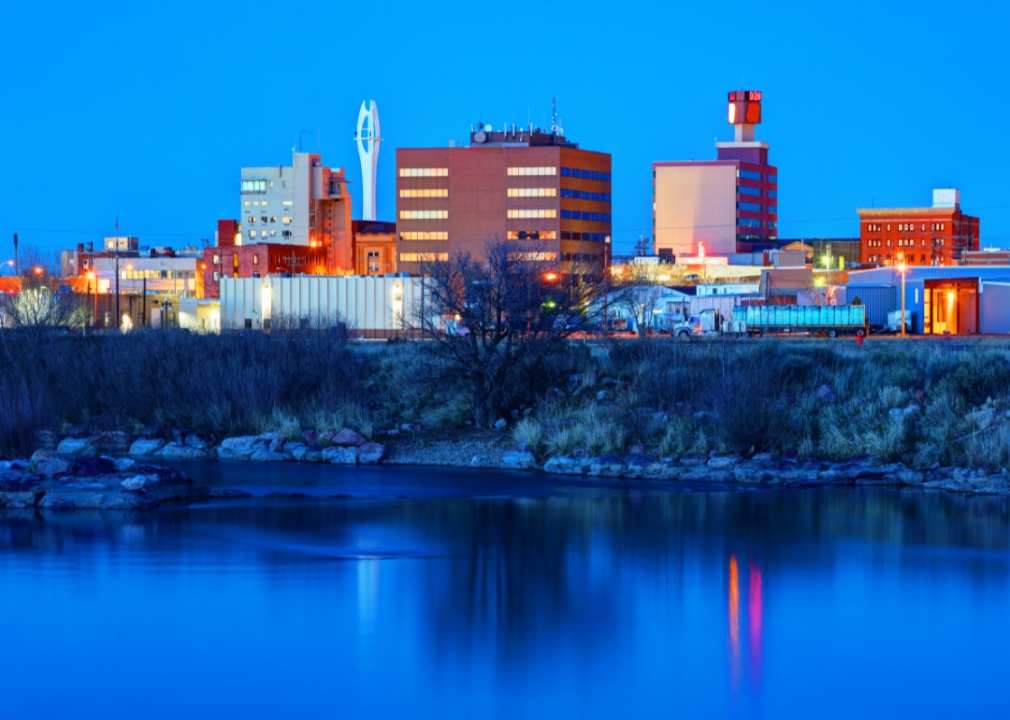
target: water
<point>493,595</point>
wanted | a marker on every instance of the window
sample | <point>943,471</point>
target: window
<point>605,197</point>
<point>424,172</point>
<point>246,202</point>
<point>566,172</point>
<point>605,177</point>
<point>251,219</point>
<point>748,175</point>
<point>596,175</point>
<point>532,213</point>
<point>424,236</point>
<point>263,203</point>
<point>596,197</point>
<point>587,175</point>
<point>424,214</point>
<point>273,218</point>
<point>263,233</point>
<point>286,219</point>
<point>287,203</point>
<point>532,171</point>
<point>254,186</point>
<point>742,190</point>
<point>576,215</point>
<point>596,217</point>
<point>532,192</point>
<point>286,233</point>
<point>772,209</point>
<point>215,276</point>
<point>423,257</point>
<point>256,259</point>
<point>576,194</point>
<point>217,259</point>
<point>532,235</point>
<point>773,178</point>
<point>427,193</point>
<point>565,193</point>
<point>605,217</point>
<point>566,214</point>
<point>248,323</point>
<point>272,233</point>
<point>771,224</point>
<point>252,233</point>
<point>773,193</point>
<point>744,222</point>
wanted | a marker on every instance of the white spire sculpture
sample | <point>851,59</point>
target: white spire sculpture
<point>368,139</point>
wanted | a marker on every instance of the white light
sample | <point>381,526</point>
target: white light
<point>732,113</point>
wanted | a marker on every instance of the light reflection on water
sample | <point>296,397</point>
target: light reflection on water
<point>568,600</point>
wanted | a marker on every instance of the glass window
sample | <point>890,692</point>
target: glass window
<point>772,209</point>
<point>744,190</point>
<point>576,215</point>
<point>605,197</point>
<point>605,177</point>
<point>566,214</point>
<point>596,217</point>
<point>773,178</point>
<point>566,193</point>
<point>596,196</point>
<point>773,193</point>
<point>771,224</point>
<point>586,175</point>
<point>748,175</point>
<point>749,207</point>
<point>605,217</point>
<point>596,175</point>
<point>744,222</point>
<point>566,172</point>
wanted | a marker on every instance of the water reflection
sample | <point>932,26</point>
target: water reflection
<point>641,602</point>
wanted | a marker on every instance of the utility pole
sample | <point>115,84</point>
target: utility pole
<point>902,268</point>
<point>143,303</point>
<point>115,320</point>
<point>17,269</point>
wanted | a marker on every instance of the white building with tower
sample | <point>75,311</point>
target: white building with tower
<point>367,139</point>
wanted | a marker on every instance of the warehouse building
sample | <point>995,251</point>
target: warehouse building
<point>944,300</point>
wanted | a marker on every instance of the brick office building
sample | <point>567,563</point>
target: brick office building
<point>374,247</point>
<point>533,187</point>
<point>937,235</point>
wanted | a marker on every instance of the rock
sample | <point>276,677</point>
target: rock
<point>52,466</point>
<point>268,436</point>
<point>609,382</point>
<point>601,395</point>
<point>826,393</point>
<point>340,455</point>
<point>500,424</point>
<point>726,461</point>
<point>72,446</point>
<point>240,448</point>
<point>310,437</point>
<point>693,460</point>
<point>639,449</point>
<point>348,438</point>
<point>21,464</point>
<point>518,460</point>
<point>178,451</point>
<point>308,453</point>
<point>197,440</point>
<point>146,446</point>
<point>475,461</point>
<point>134,483</point>
<point>270,456</point>
<point>124,464</point>
<point>371,453</point>
<point>179,435</point>
<point>326,438</point>
<point>762,457</point>
<point>276,445</point>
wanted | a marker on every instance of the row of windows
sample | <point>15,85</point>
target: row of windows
<point>592,217</point>
<point>254,186</point>
<point>428,193</point>
<point>532,235</point>
<point>906,242</point>
<point>424,214</point>
<point>585,174</point>
<point>534,213</point>
<point>532,171</point>
<point>286,219</point>
<point>753,207</point>
<point>442,235</point>
<point>263,233</point>
<point>424,172</point>
<point>744,222</point>
<point>744,190</point>
<point>906,227</point>
<point>534,256</point>
<point>534,192</point>
<point>424,257</point>
<point>575,195</point>
<point>581,257</point>
<point>749,175</point>
<point>585,237</point>
<point>156,274</point>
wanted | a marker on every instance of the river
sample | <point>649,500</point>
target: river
<point>431,593</point>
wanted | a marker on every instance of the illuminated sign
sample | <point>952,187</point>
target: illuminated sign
<point>744,107</point>
<point>745,96</point>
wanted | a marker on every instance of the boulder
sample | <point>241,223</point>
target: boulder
<point>197,440</point>
<point>268,436</point>
<point>178,451</point>
<point>78,431</point>
<point>270,456</point>
<point>134,483</point>
<point>51,466</point>
<point>601,395</point>
<point>276,445</point>
<point>475,461</point>
<point>240,448</point>
<point>146,446</point>
<point>124,464</point>
<point>310,436</point>
<point>114,442</point>
<point>72,446</point>
<point>370,453</point>
<point>518,460</point>
<point>500,424</point>
<point>726,461</point>
<point>339,455</point>
<point>179,435</point>
<point>326,438</point>
<point>308,453</point>
<point>348,438</point>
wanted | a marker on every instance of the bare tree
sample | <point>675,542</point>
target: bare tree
<point>493,319</point>
<point>639,292</point>
<point>38,309</point>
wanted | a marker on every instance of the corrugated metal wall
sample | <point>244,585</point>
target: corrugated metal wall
<point>995,306</point>
<point>878,300</point>
<point>370,305</point>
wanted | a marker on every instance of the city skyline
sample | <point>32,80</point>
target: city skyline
<point>160,142</point>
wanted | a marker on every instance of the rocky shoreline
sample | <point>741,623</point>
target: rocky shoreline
<point>63,464</point>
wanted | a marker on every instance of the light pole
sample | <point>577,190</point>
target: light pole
<point>902,268</point>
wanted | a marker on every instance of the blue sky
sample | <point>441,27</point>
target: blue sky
<point>148,112</point>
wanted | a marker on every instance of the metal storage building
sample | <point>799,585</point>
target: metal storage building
<point>940,298</point>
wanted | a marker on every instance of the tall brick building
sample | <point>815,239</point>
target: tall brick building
<point>531,186</point>
<point>937,235</point>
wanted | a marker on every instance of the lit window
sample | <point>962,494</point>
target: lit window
<point>530,214</point>
<point>251,219</point>
<point>423,257</point>
<point>427,193</point>
<point>424,214</point>
<point>288,202</point>
<point>252,233</point>
<point>532,192</point>
<point>246,202</point>
<point>256,259</point>
<point>522,171</point>
<point>215,277</point>
<point>286,219</point>
<point>273,232</point>
<point>254,186</point>
<point>263,233</point>
<point>424,172</point>
<point>532,235</point>
<point>424,236</point>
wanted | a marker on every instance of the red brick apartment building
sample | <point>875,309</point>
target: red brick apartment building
<point>938,235</point>
<point>533,187</point>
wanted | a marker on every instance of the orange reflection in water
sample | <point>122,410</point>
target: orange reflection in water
<point>754,620</point>
<point>755,627</point>
<point>734,625</point>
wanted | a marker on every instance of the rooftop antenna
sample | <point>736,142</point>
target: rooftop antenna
<point>555,129</point>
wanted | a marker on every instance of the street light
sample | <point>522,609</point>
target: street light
<point>902,268</point>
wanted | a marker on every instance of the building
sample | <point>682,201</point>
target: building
<point>740,288</point>
<point>533,186</point>
<point>942,300</point>
<point>306,205</point>
<point>712,206</point>
<point>937,235</point>
<point>374,247</point>
<point>81,261</point>
<point>158,275</point>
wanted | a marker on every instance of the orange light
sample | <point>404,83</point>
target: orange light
<point>38,271</point>
<point>550,277</point>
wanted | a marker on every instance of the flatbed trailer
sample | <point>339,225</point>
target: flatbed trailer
<point>832,320</point>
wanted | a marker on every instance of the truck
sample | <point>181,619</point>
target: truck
<point>830,319</point>
<point>707,323</point>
